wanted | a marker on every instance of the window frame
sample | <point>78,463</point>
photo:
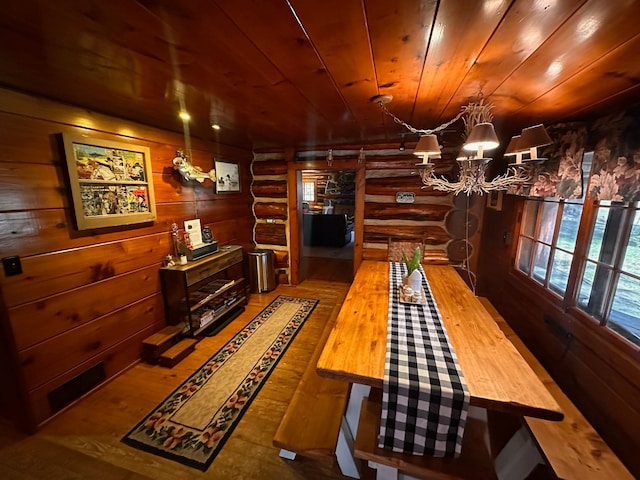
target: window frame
<point>552,244</point>
<point>569,301</point>
<point>314,191</point>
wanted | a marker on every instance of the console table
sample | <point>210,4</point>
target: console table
<point>205,293</point>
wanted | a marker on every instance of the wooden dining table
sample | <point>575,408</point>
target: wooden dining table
<point>497,376</point>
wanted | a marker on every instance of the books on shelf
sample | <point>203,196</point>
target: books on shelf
<point>217,285</point>
<point>207,312</point>
<point>206,318</point>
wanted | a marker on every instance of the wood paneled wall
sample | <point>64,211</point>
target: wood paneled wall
<point>89,297</point>
<point>599,376</point>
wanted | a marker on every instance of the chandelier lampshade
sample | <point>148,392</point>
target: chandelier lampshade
<point>472,166</point>
<point>532,138</point>
<point>513,149</point>
<point>427,145</point>
<point>482,137</point>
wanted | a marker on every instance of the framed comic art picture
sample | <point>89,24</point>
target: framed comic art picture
<point>111,182</point>
<point>227,176</point>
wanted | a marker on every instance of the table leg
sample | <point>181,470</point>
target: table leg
<point>349,465</point>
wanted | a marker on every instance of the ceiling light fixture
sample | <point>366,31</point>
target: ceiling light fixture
<point>184,115</point>
<point>215,126</point>
<point>480,136</point>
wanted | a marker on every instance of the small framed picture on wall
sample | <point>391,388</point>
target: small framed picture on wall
<point>227,176</point>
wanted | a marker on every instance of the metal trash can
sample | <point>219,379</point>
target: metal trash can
<point>262,274</point>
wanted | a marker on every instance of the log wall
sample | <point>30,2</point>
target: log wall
<point>269,189</point>
<point>87,299</point>
<point>449,225</point>
<point>438,218</point>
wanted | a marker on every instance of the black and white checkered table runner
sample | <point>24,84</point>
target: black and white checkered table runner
<point>425,398</point>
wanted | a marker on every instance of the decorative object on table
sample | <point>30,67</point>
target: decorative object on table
<point>189,171</point>
<point>193,228</point>
<point>193,423</point>
<point>228,174</point>
<point>207,235</point>
<point>169,261</point>
<point>175,240</point>
<point>413,277</point>
<point>194,246</point>
<point>408,295</point>
<point>111,182</point>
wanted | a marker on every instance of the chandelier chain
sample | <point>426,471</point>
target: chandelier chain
<point>422,131</point>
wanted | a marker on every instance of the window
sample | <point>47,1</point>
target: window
<point>606,275</point>
<point>548,240</point>
<point>308,191</point>
<point>609,289</point>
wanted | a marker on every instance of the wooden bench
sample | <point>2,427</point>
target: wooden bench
<point>571,447</point>
<point>474,462</point>
<point>311,425</point>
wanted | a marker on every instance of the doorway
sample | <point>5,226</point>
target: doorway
<point>327,229</point>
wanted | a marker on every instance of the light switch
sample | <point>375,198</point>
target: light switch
<point>12,266</point>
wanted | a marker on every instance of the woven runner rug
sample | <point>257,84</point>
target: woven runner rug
<point>193,423</point>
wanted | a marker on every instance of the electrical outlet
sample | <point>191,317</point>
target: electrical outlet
<point>12,266</point>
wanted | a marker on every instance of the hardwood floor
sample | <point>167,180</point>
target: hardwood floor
<point>83,442</point>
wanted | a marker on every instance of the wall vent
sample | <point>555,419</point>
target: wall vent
<point>76,387</point>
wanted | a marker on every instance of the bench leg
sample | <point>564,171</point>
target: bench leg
<point>384,472</point>
<point>287,454</point>
<point>518,458</point>
<point>349,465</point>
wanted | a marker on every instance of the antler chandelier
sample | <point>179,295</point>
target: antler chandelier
<point>480,136</point>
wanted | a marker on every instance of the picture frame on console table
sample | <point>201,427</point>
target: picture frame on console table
<point>227,176</point>
<point>111,182</point>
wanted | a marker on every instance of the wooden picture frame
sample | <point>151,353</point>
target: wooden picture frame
<point>494,200</point>
<point>111,182</point>
<point>227,176</point>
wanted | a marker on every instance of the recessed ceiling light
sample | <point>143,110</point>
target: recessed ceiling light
<point>184,116</point>
<point>215,126</point>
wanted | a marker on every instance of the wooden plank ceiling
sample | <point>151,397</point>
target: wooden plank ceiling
<point>301,73</point>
